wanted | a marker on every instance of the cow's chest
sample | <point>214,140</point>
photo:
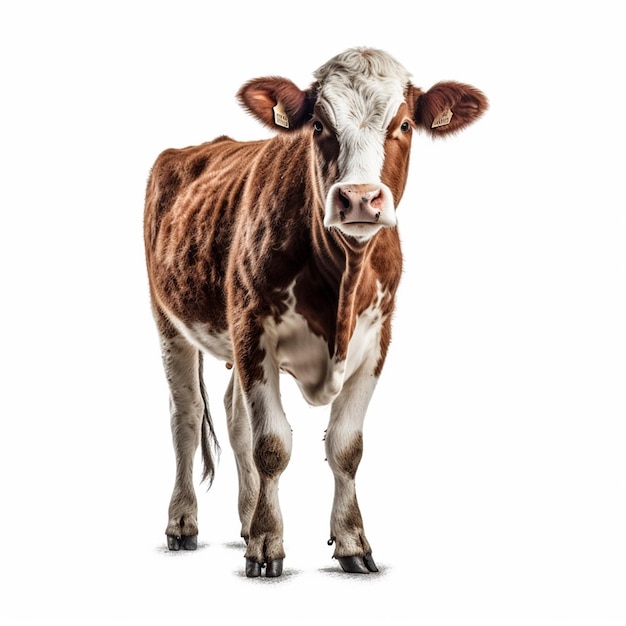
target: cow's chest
<point>309,358</point>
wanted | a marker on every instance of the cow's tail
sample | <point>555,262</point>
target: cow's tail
<point>208,441</point>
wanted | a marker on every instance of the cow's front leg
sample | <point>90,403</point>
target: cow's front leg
<point>271,450</point>
<point>344,448</point>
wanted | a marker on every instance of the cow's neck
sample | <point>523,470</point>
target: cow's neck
<point>342,262</point>
<point>350,294</point>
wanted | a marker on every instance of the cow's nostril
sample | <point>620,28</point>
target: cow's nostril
<point>344,199</point>
<point>377,200</point>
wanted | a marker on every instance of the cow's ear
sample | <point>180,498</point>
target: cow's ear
<point>447,107</point>
<point>276,102</point>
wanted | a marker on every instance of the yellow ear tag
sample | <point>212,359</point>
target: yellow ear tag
<point>443,119</point>
<point>280,117</point>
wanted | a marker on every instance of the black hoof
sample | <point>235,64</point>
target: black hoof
<point>274,568</point>
<point>353,564</point>
<point>176,542</point>
<point>369,563</point>
<point>253,569</point>
<point>357,564</point>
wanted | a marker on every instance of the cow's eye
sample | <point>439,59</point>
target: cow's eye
<point>317,127</point>
<point>405,127</point>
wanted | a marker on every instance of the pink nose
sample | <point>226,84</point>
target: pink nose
<point>359,203</point>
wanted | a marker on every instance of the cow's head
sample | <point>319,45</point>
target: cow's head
<point>361,112</point>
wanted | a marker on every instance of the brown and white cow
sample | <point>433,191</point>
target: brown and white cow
<point>282,255</point>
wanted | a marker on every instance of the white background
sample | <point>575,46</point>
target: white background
<point>493,483</point>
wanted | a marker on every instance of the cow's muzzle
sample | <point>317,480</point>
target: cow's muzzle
<point>359,210</point>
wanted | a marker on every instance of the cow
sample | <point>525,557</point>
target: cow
<point>283,255</point>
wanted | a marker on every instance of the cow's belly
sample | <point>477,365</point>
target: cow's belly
<point>306,357</point>
<point>203,337</point>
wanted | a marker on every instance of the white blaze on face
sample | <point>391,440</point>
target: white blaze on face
<point>360,92</point>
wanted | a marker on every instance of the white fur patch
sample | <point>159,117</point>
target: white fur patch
<point>202,337</point>
<point>360,92</point>
<point>305,355</point>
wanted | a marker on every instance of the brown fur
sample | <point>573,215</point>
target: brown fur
<point>348,460</point>
<point>270,456</point>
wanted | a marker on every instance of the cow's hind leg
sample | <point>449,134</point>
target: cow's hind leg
<point>240,434</point>
<point>190,423</point>
<point>344,448</point>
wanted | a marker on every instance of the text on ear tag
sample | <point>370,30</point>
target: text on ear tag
<point>443,119</point>
<point>280,117</point>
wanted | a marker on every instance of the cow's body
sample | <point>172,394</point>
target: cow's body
<point>282,255</point>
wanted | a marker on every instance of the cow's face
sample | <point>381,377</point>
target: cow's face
<point>360,113</point>
<point>358,110</point>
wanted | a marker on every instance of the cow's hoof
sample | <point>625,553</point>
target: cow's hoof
<point>274,568</point>
<point>357,564</point>
<point>253,569</point>
<point>176,542</point>
<point>369,563</point>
